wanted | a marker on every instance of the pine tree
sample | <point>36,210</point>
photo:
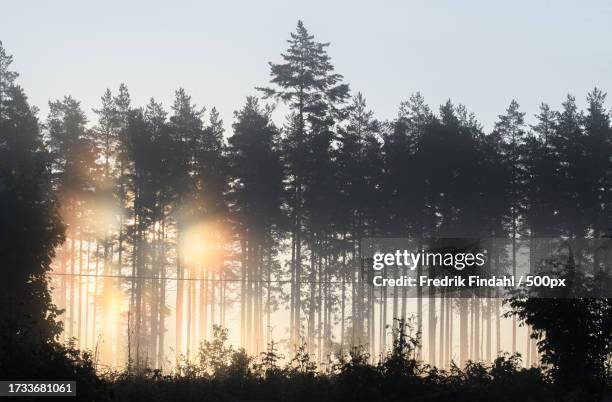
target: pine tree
<point>256,194</point>
<point>359,168</point>
<point>569,145</point>
<point>306,81</point>
<point>73,168</point>
<point>404,200</point>
<point>597,173</point>
<point>185,126</point>
<point>511,129</point>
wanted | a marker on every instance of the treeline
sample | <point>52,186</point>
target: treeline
<point>172,222</point>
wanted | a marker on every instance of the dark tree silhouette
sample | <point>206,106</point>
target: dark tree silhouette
<point>256,194</point>
<point>307,82</point>
<point>31,226</point>
<point>574,335</point>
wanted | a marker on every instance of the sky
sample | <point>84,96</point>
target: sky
<point>482,54</point>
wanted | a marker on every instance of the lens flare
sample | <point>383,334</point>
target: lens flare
<point>194,243</point>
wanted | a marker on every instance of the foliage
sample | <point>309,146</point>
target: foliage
<point>574,335</point>
<point>353,379</point>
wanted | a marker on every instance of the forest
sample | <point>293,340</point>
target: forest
<point>152,254</point>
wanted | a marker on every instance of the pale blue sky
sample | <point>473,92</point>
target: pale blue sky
<point>479,53</point>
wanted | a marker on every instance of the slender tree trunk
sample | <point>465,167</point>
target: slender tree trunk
<point>383,324</point>
<point>312,301</point>
<point>203,301</point>
<point>211,300</point>
<point>395,312</point>
<point>319,309</point>
<point>488,356</point>
<point>189,314</point>
<point>122,203</point>
<point>137,260</point>
<point>471,329</point>
<point>497,327</point>
<point>451,333</point>
<point>298,276</point>
<point>292,331</point>
<point>442,328</point>
<point>162,299</point>
<point>243,288</point>
<point>260,295</point>
<point>268,300</point>
<point>192,311</point>
<point>432,321</point>
<point>63,282</point>
<point>72,275</point>
<point>514,275</point>
<point>343,296</point>
<point>404,295</point>
<point>372,333</point>
<point>449,330</point>
<point>381,330</point>
<point>223,297</point>
<point>95,296</point>
<point>477,318</point>
<point>463,331</point>
<point>87,279</point>
<point>528,347</point>
<point>153,327</point>
<point>419,306</point>
<point>80,284</point>
<point>497,310</point>
<point>179,295</point>
<point>354,308</point>
<point>249,307</point>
